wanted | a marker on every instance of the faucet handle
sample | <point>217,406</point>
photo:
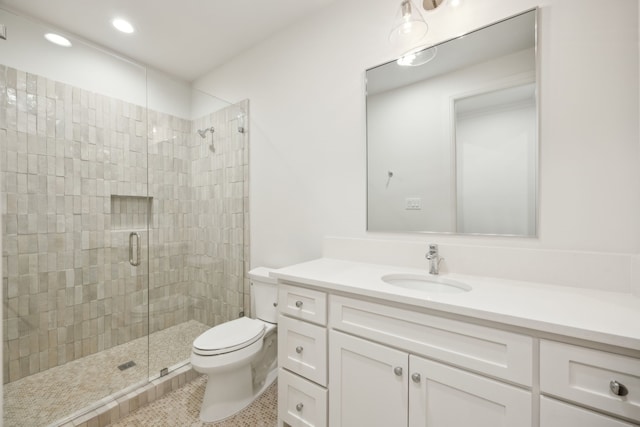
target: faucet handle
<point>433,251</point>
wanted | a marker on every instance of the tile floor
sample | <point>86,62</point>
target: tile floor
<point>49,396</point>
<point>182,407</point>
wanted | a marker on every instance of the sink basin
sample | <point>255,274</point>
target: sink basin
<point>426,283</point>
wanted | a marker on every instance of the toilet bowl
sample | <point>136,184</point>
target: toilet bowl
<point>239,357</point>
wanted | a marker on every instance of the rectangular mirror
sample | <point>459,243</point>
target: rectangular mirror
<point>452,135</point>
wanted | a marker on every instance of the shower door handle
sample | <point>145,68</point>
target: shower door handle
<point>135,262</point>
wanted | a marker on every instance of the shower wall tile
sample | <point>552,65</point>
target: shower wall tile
<point>79,172</point>
<point>220,227</point>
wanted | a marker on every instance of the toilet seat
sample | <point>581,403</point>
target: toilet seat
<point>229,336</point>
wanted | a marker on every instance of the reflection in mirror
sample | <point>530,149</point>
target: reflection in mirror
<point>452,141</point>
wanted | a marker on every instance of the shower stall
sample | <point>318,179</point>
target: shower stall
<point>124,229</point>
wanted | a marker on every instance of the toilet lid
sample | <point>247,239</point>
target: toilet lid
<point>229,336</point>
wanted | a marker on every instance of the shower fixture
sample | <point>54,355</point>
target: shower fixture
<point>203,132</point>
<point>240,118</point>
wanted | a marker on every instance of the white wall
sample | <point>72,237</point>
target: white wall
<point>87,67</point>
<point>308,175</point>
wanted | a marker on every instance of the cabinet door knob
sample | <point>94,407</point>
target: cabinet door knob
<point>298,304</point>
<point>275,304</point>
<point>299,349</point>
<point>397,370</point>
<point>415,377</point>
<point>299,407</point>
<point>617,388</point>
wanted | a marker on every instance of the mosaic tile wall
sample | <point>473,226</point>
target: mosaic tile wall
<point>74,185</point>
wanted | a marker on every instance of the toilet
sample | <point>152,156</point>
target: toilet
<point>239,356</point>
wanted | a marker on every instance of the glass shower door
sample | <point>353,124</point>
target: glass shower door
<point>198,161</point>
<point>73,164</point>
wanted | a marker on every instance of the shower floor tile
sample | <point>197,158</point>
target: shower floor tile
<point>48,396</point>
<point>182,408</point>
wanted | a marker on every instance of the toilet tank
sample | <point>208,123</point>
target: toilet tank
<point>264,295</point>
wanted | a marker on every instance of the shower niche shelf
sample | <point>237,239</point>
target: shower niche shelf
<point>130,212</point>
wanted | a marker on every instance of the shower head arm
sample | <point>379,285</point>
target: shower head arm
<point>203,132</point>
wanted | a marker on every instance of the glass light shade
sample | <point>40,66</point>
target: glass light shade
<point>417,57</point>
<point>408,26</point>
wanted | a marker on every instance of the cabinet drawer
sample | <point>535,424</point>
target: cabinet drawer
<point>494,352</point>
<point>300,402</point>
<point>302,348</point>
<point>584,376</point>
<point>302,303</point>
<point>558,414</point>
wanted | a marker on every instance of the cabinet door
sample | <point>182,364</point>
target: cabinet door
<point>557,414</point>
<point>443,396</point>
<point>368,383</point>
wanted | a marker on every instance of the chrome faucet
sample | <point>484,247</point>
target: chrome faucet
<point>434,259</point>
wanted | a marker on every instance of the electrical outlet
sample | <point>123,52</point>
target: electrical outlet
<point>413,203</point>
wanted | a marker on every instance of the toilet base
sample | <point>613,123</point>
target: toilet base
<point>235,379</point>
<point>230,394</point>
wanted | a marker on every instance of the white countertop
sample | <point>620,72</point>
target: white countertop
<point>607,317</point>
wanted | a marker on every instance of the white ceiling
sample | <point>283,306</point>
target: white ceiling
<point>184,38</point>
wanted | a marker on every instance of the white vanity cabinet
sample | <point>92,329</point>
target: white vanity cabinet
<point>380,386</point>
<point>351,360</point>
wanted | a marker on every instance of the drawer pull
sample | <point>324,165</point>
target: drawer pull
<point>415,377</point>
<point>299,407</point>
<point>298,304</point>
<point>397,370</point>
<point>617,388</point>
<point>299,349</point>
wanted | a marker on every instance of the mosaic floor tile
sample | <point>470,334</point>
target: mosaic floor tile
<point>182,408</point>
<point>46,397</point>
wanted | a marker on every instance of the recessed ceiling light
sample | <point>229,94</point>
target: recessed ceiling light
<point>57,39</point>
<point>122,25</point>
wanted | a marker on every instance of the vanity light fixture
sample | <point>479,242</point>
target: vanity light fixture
<point>123,25</point>
<point>408,26</point>
<point>58,39</point>
<point>431,4</point>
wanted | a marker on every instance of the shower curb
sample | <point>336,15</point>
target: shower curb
<point>113,409</point>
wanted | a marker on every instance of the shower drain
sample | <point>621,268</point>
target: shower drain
<point>127,365</point>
